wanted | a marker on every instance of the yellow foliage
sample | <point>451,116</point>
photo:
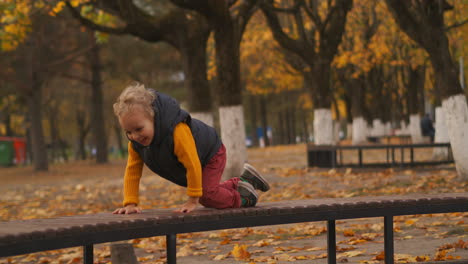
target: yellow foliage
<point>57,8</point>
<point>15,21</point>
<point>262,61</point>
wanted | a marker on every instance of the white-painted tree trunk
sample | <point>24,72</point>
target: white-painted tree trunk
<point>205,117</point>
<point>388,129</point>
<point>359,131</point>
<point>231,120</point>
<point>441,134</point>
<point>349,130</point>
<point>403,129</point>
<point>336,131</point>
<point>323,127</point>
<point>378,128</point>
<point>415,129</point>
<point>456,114</point>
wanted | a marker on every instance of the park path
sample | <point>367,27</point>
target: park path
<point>86,188</point>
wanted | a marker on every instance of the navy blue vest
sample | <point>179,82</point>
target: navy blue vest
<point>159,155</point>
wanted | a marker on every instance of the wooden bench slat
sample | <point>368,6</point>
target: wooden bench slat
<point>26,236</point>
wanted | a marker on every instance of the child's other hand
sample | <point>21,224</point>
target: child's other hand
<point>128,209</point>
<point>189,206</point>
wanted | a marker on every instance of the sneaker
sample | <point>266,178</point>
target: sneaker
<point>252,176</point>
<point>249,196</point>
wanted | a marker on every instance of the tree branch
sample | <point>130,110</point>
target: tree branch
<point>296,46</point>
<point>405,19</point>
<point>459,24</point>
<point>93,26</point>
<point>243,13</point>
<point>68,57</point>
<point>206,8</point>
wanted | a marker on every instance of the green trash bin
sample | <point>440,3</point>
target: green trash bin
<point>7,153</point>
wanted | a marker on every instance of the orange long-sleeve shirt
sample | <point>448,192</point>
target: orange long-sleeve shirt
<point>186,152</point>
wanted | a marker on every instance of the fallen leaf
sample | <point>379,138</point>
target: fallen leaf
<point>240,252</point>
<point>380,256</point>
<point>350,254</point>
<point>184,251</point>
<point>348,233</point>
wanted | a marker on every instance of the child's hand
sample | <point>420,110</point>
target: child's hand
<point>128,209</point>
<point>189,206</point>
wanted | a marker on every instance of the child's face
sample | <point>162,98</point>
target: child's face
<point>138,126</point>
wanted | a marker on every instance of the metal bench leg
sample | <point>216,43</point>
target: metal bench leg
<point>331,241</point>
<point>388,239</point>
<point>88,254</point>
<point>171,251</point>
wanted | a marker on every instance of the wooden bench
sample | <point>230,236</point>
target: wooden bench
<point>27,236</point>
<point>331,156</point>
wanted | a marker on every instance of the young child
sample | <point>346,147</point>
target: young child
<point>180,149</point>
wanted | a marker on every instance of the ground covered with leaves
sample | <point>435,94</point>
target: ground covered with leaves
<point>84,188</point>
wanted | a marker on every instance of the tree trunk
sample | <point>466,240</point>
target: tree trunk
<point>39,149</point>
<point>193,50</point>
<point>196,83</point>
<point>229,92</point>
<point>359,130</point>
<point>456,113</point>
<point>34,103</point>
<point>323,127</point>
<point>292,125</point>
<point>415,129</point>
<point>118,136</point>
<point>82,133</point>
<point>253,120</point>
<point>8,129</point>
<point>359,126</point>
<point>281,129</point>
<point>54,144</point>
<point>97,102</point>
<point>441,134</point>
<point>233,136</point>
<point>416,82</point>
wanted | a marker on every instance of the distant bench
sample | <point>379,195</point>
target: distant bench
<point>331,156</point>
<point>28,236</point>
<point>402,139</point>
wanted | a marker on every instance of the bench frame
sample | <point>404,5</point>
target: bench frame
<point>28,236</point>
<point>334,155</point>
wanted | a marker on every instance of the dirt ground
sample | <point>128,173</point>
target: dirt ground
<point>83,187</point>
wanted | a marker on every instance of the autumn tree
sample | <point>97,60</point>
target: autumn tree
<point>317,30</point>
<point>185,30</point>
<point>358,59</point>
<point>424,22</point>
<point>40,48</point>
<point>228,20</point>
<point>269,79</point>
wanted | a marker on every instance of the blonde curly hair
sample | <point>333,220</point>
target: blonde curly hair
<point>132,96</point>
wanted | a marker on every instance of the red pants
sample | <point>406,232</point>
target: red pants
<point>215,194</point>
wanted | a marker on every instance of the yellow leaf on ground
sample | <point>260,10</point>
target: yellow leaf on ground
<point>184,251</point>
<point>422,258</point>
<point>357,241</point>
<point>348,233</point>
<point>240,252</point>
<point>315,249</point>
<point>351,254</point>
<point>220,257</point>
<point>380,256</point>
<point>405,257</point>
<point>410,222</point>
